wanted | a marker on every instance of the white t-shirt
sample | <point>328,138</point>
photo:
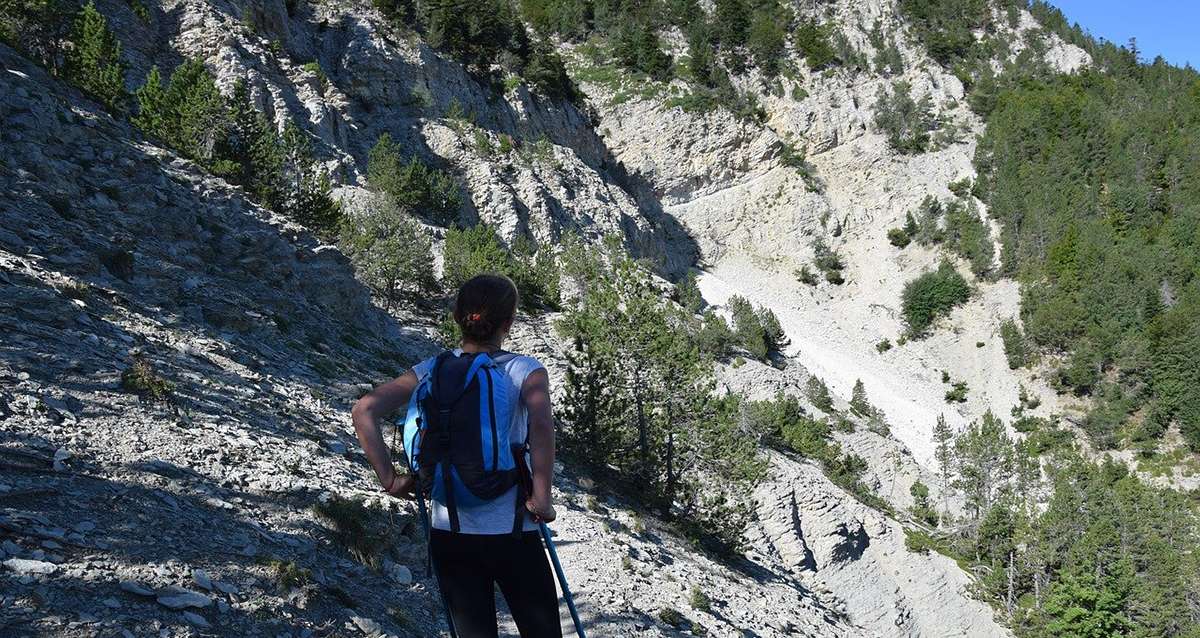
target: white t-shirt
<point>496,516</point>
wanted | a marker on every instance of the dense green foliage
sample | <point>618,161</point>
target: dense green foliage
<point>37,27</point>
<point>930,296</point>
<point>490,38</point>
<point>471,251</point>
<point>1093,178</point>
<point>1107,555</point>
<point>906,122</point>
<point>412,185</point>
<point>756,329</point>
<point>945,25</point>
<point>1015,350</point>
<point>829,262</point>
<point>784,424</point>
<point>391,253</point>
<point>230,137</point>
<point>723,40</point>
<point>93,62</point>
<point>639,398</point>
<point>813,43</point>
<point>189,114</point>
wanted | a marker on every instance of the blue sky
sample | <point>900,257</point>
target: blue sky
<point>1162,27</point>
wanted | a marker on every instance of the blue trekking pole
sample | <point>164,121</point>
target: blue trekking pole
<point>562,580</point>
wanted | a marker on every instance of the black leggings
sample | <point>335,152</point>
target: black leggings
<point>469,566</point>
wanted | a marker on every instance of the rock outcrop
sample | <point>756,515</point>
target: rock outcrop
<point>858,555</point>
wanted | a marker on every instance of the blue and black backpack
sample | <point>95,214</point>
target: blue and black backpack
<point>456,434</point>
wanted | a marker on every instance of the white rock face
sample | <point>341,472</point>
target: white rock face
<point>558,178</point>
<point>755,219</point>
<point>839,545</point>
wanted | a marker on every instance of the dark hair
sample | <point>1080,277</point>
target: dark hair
<point>483,304</point>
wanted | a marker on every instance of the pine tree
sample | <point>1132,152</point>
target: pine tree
<point>308,195</point>
<point>391,253</point>
<point>587,406</point>
<point>412,185</point>
<point>984,456</point>
<point>255,146</point>
<point>36,27</point>
<point>192,117</point>
<point>943,454</point>
<point>766,39</point>
<point>859,404</point>
<point>93,63</point>
<point>732,21</point>
<point>818,394</point>
<point>151,99</point>
<point>906,122</point>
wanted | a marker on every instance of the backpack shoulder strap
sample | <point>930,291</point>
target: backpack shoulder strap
<point>501,357</point>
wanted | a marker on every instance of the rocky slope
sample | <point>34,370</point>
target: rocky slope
<point>115,252</point>
<point>559,176</point>
<point>194,512</point>
<point>858,555</point>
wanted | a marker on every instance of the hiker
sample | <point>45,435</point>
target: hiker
<point>486,511</point>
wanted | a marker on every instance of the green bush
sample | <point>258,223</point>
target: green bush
<point>1014,344</point>
<point>898,237</point>
<point>673,618</point>
<point>921,509</point>
<point>829,262</point>
<point>412,185</point>
<point>905,122</point>
<point>925,227</point>
<point>391,253</point>
<point>813,44</point>
<point>805,276</point>
<point>931,296</point>
<point>957,392</point>
<point>919,542</point>
<point>141,378</point>
<point>314,68</point>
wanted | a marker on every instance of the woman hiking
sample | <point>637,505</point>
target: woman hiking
<point>486,504</point>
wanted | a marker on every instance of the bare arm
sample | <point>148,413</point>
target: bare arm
<point>536,394</point>
<point>366,414</point>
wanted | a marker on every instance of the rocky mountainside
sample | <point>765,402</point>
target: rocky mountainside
<point>178,362</point>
